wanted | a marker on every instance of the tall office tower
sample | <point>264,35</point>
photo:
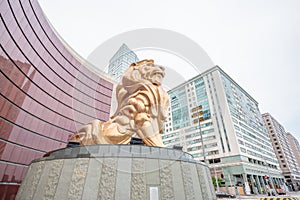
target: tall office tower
<point>233,139</point>
<point>295,146</point>
<point>282,148</point>
<point>121,61</point>
<point>47,91</point>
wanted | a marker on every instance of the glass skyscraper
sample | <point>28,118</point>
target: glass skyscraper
<point>233,139</point>
<point>120,62</point>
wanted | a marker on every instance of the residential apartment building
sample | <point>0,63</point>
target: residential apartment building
<point>295,146</point>
<point>216,120</point>
<point>120,62</point>
<point>284,153</point>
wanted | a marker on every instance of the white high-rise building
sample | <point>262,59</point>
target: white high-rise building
<point>121,61</point>
<point>233,139</point>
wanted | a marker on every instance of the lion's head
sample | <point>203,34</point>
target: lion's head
<point>142,77</point>
<point>144,71</point>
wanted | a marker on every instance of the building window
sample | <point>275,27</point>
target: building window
<point>241,142</point>
<point>239,134</point>
<point>243,149</point>
<point>210,145</point>
<point>236,127</point>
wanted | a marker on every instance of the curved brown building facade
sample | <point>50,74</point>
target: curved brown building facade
<point>47,91</point>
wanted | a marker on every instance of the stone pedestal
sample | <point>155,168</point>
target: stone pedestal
<point>117,172</point>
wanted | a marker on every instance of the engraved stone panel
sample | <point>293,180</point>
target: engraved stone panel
<point>33,181</point>
<point>166,181</point>
<point>187,181</point>
<point>41,187</point>
<point>78,178</point>
<point>138,179</point>
<point>108,179</point>
<point>53,178</point>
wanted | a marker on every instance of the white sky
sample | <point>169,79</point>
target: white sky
<point>256,42</point>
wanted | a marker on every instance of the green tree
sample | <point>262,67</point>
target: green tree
<point>215,183</point>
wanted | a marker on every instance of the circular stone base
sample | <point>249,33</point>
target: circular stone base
<point>117,172</point>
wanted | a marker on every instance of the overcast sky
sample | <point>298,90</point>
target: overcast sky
<point>256,42</point>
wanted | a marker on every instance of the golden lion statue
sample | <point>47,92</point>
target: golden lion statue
<point>142,109</point>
